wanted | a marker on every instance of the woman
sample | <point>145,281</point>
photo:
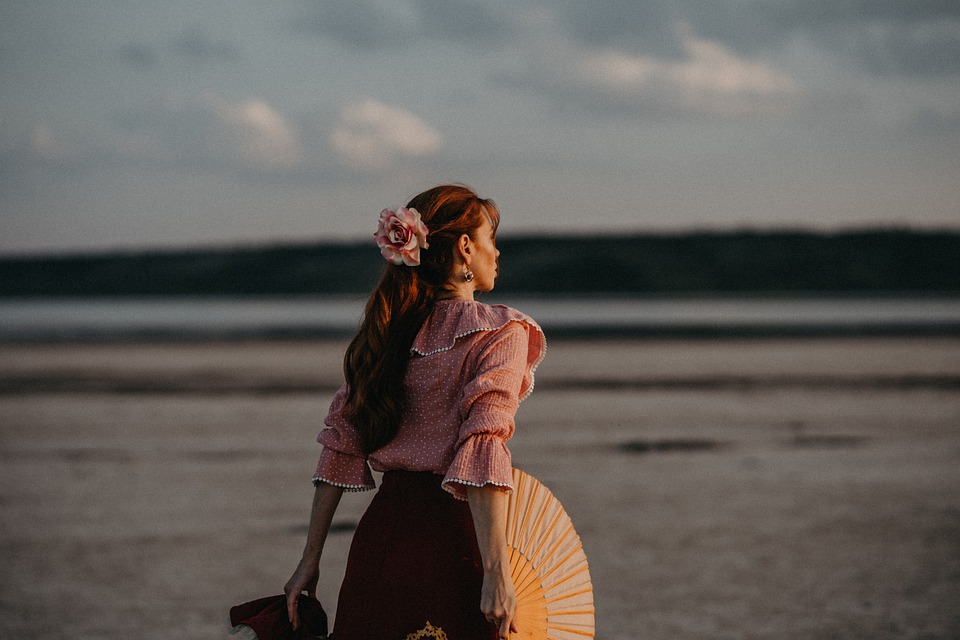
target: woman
<point>433,380</point>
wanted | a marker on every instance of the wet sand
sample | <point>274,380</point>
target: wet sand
<point>723,489</point>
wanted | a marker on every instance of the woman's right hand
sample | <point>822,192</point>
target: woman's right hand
<point>326,497</point>
<point>305,578</point>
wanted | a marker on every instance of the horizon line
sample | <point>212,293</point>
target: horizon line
<point>346,241</point>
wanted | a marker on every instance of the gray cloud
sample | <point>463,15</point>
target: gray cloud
<point>883,37</point>
<point>662,99</point>
<point>638,26</point>
<point>819,13</point>
<point>887,37</point>
<point>461,20</point>
<point>195,44</point>
<point>209,133</point>
<point>250,140</point>
<point>138,55</point>
<point>43,153</point>
<point>932,122</point>
<point>361,23</point>
<point>378,24</point>
<point>894,49</point>
<point>706,78</point>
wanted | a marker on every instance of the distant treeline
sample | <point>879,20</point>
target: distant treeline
<point>864,262</point>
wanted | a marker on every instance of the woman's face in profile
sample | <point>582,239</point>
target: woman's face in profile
<point>485,264</point>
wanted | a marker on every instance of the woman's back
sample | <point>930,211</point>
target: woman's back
<point>470,366</point>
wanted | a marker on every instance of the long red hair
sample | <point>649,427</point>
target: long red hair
<point>376,360</point>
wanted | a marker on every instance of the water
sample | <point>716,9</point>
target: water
<point>199,318</point>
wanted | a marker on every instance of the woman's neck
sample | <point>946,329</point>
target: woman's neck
<point>456,291</point>
<point>455,296</point>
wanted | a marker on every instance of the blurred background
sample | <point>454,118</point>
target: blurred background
<point>737,222</point>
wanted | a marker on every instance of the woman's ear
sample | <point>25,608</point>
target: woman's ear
<point>464,248</point>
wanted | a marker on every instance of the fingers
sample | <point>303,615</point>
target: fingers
<point>292,614</point>
<point>303,579</point>
<point>498,603</point>
<point>505,624</point>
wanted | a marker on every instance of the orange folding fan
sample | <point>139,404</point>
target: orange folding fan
<point>549,568</point>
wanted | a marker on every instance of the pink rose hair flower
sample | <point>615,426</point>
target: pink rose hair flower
<point>400,236</point>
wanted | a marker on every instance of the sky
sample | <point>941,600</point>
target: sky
<point>169,124</point>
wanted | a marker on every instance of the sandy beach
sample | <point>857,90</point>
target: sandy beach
<point>805,489</point>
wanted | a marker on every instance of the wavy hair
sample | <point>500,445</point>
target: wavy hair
<point>376,360</point>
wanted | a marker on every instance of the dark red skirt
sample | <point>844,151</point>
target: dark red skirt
<point>414,568</point>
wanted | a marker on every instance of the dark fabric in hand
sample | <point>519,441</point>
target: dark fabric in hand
<point>268,618</point>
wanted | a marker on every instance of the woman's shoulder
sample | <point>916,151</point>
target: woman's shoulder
<point>501,315</point>
<point>454,320</point>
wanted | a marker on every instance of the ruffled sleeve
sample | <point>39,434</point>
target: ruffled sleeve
<point>504,376</point>
<point>342,462</point>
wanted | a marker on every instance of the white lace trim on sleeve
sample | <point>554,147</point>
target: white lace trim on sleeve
<point>504,485</point>
<point>346,487</point>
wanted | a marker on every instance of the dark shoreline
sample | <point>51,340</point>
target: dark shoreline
<point>869,261</point>
<point>553,332</point>
<point>199,385</point>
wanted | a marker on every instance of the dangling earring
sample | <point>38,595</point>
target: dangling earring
<point>467,274</point>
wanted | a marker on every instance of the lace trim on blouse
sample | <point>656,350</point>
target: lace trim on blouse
<point>507,315</point>
<point>463,334</point>
<point>346,487</point>
<point>533,369</point>
<point>504,485</point>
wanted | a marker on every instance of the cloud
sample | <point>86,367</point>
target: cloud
<point>816,13</point>
<point>889,48</point>
<point>42,150</point>
<point>629,25</point>
<point>464,20</point>
<point>45,146</point>
<point>936,122</point>
<point>709,69</point>
<point>373,136</point>
<point>193,46</point>
<point>380,24</point>
<point>885,37</point>
<point>209,132</point>
<point>139,55</point>
<point>708,79</point>
<point>361,23</point>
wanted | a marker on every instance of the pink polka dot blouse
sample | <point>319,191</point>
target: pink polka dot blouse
<point>470,366</point>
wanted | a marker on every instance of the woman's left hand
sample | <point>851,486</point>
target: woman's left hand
<point>498,599</point>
